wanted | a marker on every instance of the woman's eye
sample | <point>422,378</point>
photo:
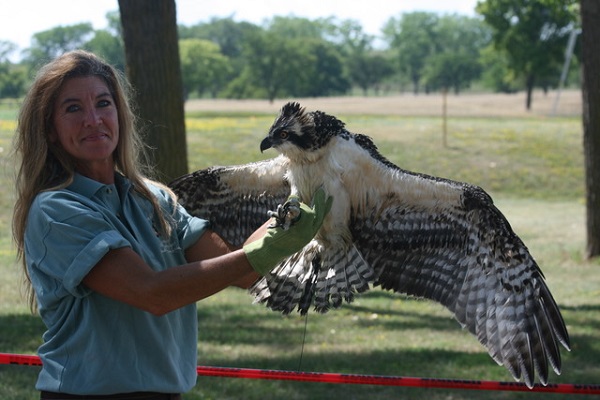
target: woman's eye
<point>72,108</point>
<point>104,103</point>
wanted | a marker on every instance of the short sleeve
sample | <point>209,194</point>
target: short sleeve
<point>64,240</point>
<point>188,228</point>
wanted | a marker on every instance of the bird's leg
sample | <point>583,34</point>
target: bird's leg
<point>286,214</point>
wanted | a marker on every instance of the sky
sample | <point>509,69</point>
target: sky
<point>20,19</point>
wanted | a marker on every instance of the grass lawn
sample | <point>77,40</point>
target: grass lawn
<point>532,165</point>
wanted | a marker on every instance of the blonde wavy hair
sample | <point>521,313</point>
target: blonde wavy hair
<point>44,165</point>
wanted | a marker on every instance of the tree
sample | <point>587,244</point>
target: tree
<point>496,74</point>
<point>6,49</point>
<point>225,32</point>
<point>533,33</point>
<point>315,66</point>
<point>298,27</point>
<point>51,43</point>
<point>109,47</point>
<point>153,68</point>
<point>421,39</point>
<point>270,62</point>
<point>459,33</point>
<point>108,43</point>
<point>203,67</point>
<point>13,80</point>
<point>454,63</point>
<point>369,70</point>
<point>412,37</point>
<point>366,67</point>
<point>590,37</point>
<point>450,71</point>
<point>12,77</point>
<point>320,70</point>
<point>445,71</point>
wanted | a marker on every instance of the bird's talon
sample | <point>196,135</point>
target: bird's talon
<point>286,214</point>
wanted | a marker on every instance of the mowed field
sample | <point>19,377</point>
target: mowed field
<point>566,103</point>
<point>531,163</point>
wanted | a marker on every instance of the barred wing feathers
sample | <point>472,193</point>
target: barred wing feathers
<point>465,255</point>
<point>235,199</point>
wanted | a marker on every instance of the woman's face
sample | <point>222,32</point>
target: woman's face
<point>86,126</point>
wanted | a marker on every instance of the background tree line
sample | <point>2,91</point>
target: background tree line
<point>510,46</point>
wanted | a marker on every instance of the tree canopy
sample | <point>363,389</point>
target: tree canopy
<point>514,45</point>
<point>533,34</point>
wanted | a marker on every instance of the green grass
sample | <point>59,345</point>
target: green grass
<point>526,157</point>
<point>532,167</point>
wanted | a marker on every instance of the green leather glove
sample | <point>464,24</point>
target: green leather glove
<point>278,243</point>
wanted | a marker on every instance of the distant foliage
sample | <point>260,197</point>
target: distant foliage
<point>533,36</point>
<point>299,57</point>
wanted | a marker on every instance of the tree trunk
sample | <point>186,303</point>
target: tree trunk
<point>590,35</point>
<point>415,81</point>
<point>530,82</point>
<point>153,68</point>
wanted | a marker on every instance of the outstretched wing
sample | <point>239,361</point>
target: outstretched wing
<point>235,199</point>
<point>465,255</point>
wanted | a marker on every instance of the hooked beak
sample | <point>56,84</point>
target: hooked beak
<point>266,144</point>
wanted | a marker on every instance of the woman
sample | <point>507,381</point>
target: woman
<point>113,263</point>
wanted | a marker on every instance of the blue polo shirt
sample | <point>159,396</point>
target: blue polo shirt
<point>93,344</point>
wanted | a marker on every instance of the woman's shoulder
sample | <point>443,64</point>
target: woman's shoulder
<point>56,197</point>
<point>60,204</point>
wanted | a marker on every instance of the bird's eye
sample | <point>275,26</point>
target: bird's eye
<point>283,134</point>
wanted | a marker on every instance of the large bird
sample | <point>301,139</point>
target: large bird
<point>402,231</point>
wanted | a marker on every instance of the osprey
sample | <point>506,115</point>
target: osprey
<point>402,231</point>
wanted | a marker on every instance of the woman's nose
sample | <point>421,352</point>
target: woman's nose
<point>92,118</point>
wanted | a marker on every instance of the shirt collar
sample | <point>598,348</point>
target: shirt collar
<point>89,187</point>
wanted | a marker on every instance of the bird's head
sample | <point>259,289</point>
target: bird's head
<point>295,130</point>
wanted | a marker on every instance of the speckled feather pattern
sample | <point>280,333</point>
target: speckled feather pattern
<point>390,228</point>
<point>235,199</point>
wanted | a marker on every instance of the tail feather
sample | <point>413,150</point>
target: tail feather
<point>314,277</point>
<point>309,289</point>
<point>282,289</point>
<point>343,273</point>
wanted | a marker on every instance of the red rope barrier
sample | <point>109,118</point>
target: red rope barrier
<point>324,377</point>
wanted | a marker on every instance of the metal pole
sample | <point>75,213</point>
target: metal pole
<point>565,70</point>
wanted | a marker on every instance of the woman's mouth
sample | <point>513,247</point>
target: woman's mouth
<point>96,136</point>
